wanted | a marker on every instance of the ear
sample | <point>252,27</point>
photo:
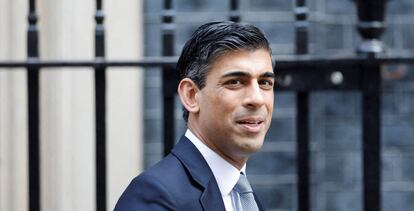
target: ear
<point>187,90</point>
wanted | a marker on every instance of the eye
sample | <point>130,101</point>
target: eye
<point>233,83</point>
<point>266,83</point>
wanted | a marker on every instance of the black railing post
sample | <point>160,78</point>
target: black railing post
<point>371,14</point>
<point>371,120</point>
<point>301,27</point>
<point>235,15</point>
<point>100,109</point>
<point>33,110</point>
<point>302,118</point>
<point>168,77</point>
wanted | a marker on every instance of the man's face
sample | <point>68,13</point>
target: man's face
<point>236,103</point>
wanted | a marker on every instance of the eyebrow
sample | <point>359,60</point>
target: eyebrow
<point>245,74</point>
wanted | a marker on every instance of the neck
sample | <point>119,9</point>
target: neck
<point>236,161</point>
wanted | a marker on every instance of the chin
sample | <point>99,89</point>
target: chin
<point>252,146</point>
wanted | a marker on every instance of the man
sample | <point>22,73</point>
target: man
<point>227,95</point>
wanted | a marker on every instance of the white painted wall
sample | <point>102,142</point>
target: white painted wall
<point>67,103</point>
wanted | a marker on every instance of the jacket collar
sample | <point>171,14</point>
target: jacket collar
<point>201,173</point>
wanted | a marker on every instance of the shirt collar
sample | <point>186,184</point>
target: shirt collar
<point>226,174</point>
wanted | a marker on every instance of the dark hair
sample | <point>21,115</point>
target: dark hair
<point>212,40</point>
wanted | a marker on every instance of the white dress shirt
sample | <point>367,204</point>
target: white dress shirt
<point>226,174</point>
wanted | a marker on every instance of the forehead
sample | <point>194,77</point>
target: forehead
<point>251,61</point>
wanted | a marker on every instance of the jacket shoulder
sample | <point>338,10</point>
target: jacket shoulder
<point>165,186</point>
<point>147,191</point>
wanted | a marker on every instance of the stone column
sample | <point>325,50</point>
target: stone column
<point>124,24</point>
<point>67,112</point>
<point>68,135</point>
<point>13,107</point>
<point>67,103</point>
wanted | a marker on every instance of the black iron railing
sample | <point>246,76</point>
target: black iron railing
<point>169,79</point>
<point>301,73</point>
<point>100,109</point>
<point>33,109</point>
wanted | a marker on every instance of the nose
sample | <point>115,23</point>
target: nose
<point>253,96</point>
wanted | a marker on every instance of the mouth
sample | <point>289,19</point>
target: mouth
<point>251,125</point>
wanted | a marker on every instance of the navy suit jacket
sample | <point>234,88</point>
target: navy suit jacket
<point>181,181</point>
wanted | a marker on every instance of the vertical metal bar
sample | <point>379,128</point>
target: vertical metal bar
<point>100,109</point>
<point>371,16</point>
<point>168,77</point>
<point>33,110</point>
<point>371,103</point>
<point>301,27</point>
<point>302,150</point>
<point>302,118</point>
<point>235,15</point>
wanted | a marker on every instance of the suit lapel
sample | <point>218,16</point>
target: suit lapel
<point>211,198</point>
<point>261,208</point>
<point>201,173</point>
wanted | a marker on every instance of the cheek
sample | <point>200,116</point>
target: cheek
<point>211,110</point>
<point>220,105</point>
<point>270,101</point>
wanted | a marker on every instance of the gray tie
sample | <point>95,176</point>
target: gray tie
<point>243,188</point>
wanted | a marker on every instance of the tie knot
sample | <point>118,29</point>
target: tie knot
<point>243,185</point>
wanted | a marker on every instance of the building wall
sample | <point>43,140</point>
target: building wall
<point>335,122</point>
<point>13,109</point>
<point>67,126</point>
<point>134,104</point>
